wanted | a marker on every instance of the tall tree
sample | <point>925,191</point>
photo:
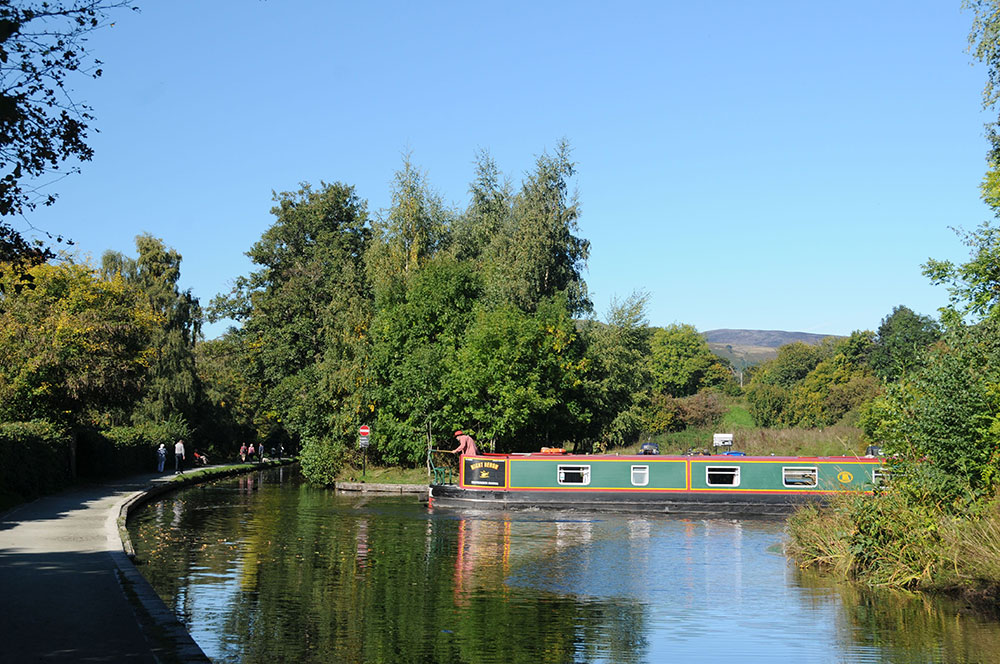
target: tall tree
<point>306,314</point>
<point>413,342</point>
<point>172,389</point>
<point>620,373</point>
<point>538,254</point>
<point>414,229</point>
<point>517,378</point>
<point>489,211</point>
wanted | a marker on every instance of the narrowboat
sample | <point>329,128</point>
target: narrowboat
<point>716,484</point>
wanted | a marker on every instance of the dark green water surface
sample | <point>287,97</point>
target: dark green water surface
<point>264,568</point>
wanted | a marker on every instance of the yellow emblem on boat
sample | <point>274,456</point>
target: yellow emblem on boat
<point>845,476</point>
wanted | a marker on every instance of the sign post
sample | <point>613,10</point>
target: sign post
<point>363,432</point>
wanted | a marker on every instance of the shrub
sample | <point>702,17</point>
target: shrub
<point>129,449</point>
<point>701,410</point>
<point>322,460</point>
<point>37,460</point>
<point>767,404</point>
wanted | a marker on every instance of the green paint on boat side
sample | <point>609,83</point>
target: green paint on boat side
<point>715,474</point>
<point>605,473</point>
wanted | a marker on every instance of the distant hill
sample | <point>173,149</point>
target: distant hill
<point>750,347</point>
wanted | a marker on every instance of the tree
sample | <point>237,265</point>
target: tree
<point>682,362</point>
<point>902,338</point>
<point>836,386</point>
<point>413,342</point>
<point>793,363</point>
<point>769,391</point>
<point>416,227</point>
<point>74,348</point>
<point>536,253</point>
<point>42,45</point>
<point>517,379</point>
<point>171,389</point>
<point>947,411</point>
<point>306,313</point>
<point>974,286</point>
<point>488,213</point>
<point>619,373</point>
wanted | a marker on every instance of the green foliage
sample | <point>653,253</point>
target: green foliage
<point>37,460</point>
<point>171,386</point>
<point>949,410</point>
<point>793,363</point>
<point>814,386</point>
<point>767,403</point>
<point>666,414</point>
<point>516,377</point>
<point>618,373</point>
<point>532,253</point>
<point>322,459</point>
<point>116,451</point>
<point>305,313</point>
<point>902,339</point>
<point>225,416</point>
<point>682,363</point>
<point>972,286</point>
<point>413,344</point>
<point>416,227</point>
<point>44,45</point>
<point>74,348</point>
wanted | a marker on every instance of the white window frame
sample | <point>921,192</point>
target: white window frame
<point>644,470</point>
<point>813,470</point>
<point>880,475</point>
<point>710,469</point>
<point>584,470</point>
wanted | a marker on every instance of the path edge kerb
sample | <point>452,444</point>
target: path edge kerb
<point>184,648</point>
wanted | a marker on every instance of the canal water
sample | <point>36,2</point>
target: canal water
<point>264,568</point>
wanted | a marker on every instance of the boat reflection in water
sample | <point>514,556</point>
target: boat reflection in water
<point>287,572</point>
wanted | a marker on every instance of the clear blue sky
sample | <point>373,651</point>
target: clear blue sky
<point>768,165</point>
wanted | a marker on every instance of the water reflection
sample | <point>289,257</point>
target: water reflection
<point>265,568</point>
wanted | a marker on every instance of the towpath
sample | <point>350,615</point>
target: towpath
<point>68,593</point>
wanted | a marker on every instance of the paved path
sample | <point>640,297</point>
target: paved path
<point>69,594</point>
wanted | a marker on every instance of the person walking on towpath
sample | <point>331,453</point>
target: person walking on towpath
<point>179,457</point>
<point>161,457</point>
<point>466,445</point>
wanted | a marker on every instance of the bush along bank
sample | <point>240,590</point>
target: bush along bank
<point>37,460</point>
<point>41,457</point>
<point>906,535</point>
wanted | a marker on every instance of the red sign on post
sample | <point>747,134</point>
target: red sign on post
<point>363,431</point>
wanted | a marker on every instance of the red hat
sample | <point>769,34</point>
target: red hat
<point>458,433</point>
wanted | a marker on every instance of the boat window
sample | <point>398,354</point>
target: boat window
<point>574,474</point>
<point>722,475</point>
<point>880,476</point>
<point>640,475</point>
<point>798,476</point>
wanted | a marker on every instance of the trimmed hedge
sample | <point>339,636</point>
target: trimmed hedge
<point>125,450</point>
<point>36,457</point>
<point>36,460</point>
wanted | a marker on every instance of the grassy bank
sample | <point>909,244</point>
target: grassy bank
<point>384,475</point>
<point>893,541</point>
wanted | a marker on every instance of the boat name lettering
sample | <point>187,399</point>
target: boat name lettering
<point>485,464</point>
